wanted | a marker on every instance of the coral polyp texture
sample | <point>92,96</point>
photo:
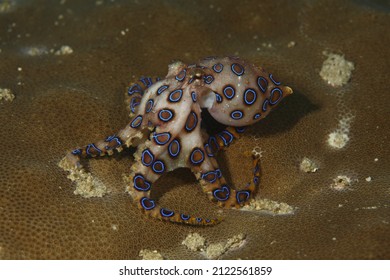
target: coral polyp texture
<point>323,189</point>
<point>165,127</point>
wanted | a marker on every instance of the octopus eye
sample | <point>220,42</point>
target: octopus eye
<point>278,92</point>
<point>140,183</point>
<point>238,69</point>
<point>273,80</point>
<point>262,83</point>
<point>250,96</point>
<point>147,204</point>
<point>166,213</point>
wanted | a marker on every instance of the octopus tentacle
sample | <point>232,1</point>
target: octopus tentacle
<point>131,135</point>
<point>214,184</point>
<point>222,139</point>
<point>148,169</point>
<point>136,90</point>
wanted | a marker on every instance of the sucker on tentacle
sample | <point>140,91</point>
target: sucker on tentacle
<point>165,126</point>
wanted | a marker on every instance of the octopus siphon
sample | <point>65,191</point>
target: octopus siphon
<point>165,127</point>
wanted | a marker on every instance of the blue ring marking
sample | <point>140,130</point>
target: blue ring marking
<point>240,129</point>
<point>206,148</point>
<point>146,151</point>
<point>165,119</point>
<point>241,72</point>
<point>204,175</point>
<point>208,220</point>
<point>193,96</point>
<point>219,173</point>
<point>76,152</point>
<point>272,94</point>
<point>137,89</point>
<point>218,67</point>
<point>223,189</point>
<point>142,201</point>
<point>208,79</point>
<point>178,148</point>
<point>226,94</point>
<point>184,217</point>
<point>218,98</point>
<point>161,170</point>
<point>156,135</point>
<point>246,193</point>
<point>180,73</point>
<point>176,99</point>
<point>109,139</point>
<point>166,213</point>
<point>262,88</point>
<point>272,79</point>
<point>89,146</point>
<point>147,81</point>
<point>134,123</point>
<point>264,107</point>
<point>195,123</point>
<point>133,104</point>
<point>162,89</point>
<point>190,81</point>
<point>192,156</point>
<point>149,105</point>
<point>256,180</point>
<point>199,220</point>
<point>255,117</point>
<point>236,115</point>
<point>254,96</point>
<point>148,185</point>
<point>226,142</point>
<point>158,79</point>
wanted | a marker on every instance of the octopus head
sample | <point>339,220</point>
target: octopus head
<point>238,93</point>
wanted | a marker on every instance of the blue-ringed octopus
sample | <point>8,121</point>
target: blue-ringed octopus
<point>165,127</point>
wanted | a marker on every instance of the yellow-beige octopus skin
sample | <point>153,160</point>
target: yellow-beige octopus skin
<point>165,126</point>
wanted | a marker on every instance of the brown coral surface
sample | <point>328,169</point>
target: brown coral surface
<point>68,63</point>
